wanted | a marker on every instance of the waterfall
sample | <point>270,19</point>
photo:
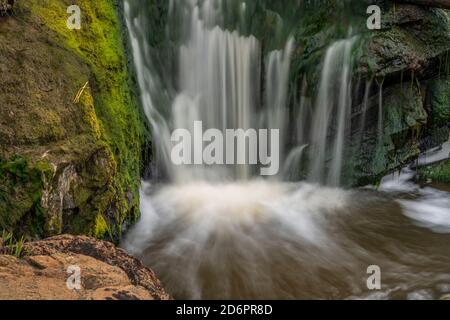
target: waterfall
<point>217,80</point>
<point>217,83</point>
<point>278,67</point>
<point>217,231</point>
<point>364,109</point>
<point>332,112</point>
<point>380,126</point>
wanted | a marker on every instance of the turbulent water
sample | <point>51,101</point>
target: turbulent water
<point>223,232</point>
<point>280,240</point>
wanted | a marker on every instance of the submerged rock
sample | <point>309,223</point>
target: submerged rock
<point>106,272</point>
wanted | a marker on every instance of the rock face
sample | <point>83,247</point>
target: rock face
<point>106,272</point>
<point>6,6</point>
<point>412,39</point>
<point>409,60</point>
<point>71,133</point>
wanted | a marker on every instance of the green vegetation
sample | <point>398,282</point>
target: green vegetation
<point>71,130</point>
<point>10,245</point>
<point>439,173</point>
<point>20,195</point>
<point>100,44</point>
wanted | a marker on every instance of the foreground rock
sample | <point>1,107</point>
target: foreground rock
<point>106,272</point>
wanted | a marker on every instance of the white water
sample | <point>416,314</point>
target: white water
<point>429,207</point>
<point>259,240</point>
<point>434,155</point>
<point>218,83</point>
<point>219,232</point>
<point>221,241</point>
<point>334,104</point>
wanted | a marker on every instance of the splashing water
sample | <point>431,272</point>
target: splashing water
<point>219,232</point>
<point>256,240</point>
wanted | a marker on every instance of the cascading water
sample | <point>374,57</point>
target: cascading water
<point>331,100</point>
<point>222,232</point>
<point>218,83</point>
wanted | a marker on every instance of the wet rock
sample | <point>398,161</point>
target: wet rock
<point>408,57</point>
<point>437,106</point>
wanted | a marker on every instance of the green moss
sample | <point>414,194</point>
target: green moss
<point>99,42</point>
<point>110,107</point>
<point>20,195</point>
<point>438,106</point>
<point>438,173</point>
<point>101,229</point>
<point>409,38</point>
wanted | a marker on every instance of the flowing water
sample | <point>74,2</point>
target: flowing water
<point>223,232</point>
<point>337,65</point>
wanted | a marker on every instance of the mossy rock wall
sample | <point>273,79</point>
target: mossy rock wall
<point>71,132</point>
<point>409,59</point>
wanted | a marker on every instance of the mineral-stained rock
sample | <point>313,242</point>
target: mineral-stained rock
<point>106,272</point>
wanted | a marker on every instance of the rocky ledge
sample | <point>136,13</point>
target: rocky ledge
<point>106,272</point>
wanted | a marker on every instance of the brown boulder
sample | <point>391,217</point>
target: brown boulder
<point>106,272</point>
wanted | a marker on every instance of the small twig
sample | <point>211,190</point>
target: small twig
<point>80,92</point>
